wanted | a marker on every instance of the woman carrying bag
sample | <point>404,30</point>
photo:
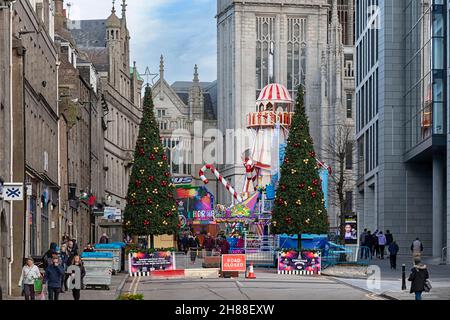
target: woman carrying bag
<point>419,279</point>
<point>29,279</point>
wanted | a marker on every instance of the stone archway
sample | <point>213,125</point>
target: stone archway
<point>3,250</point>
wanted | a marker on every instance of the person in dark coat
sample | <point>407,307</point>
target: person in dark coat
<point>393,251</point>
<point>52,278</point>
<point>375,246</point>
<point>64,258</point>
<point>224,246</point>
<point>389,238</point>
<point>209,244</point>
<point>104,239</point>
<point>193,245</point>
<point>368,243</point>
<point>419,275</point>
<point>48,256</point>
<point>185,243</point>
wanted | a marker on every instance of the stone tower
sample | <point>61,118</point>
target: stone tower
<point>196,98</point>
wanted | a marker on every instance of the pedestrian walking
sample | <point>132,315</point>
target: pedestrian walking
<point>193,245</point>
<point>185,243</point>
<point>381,244</point>
<point>393,251</point>
<point>209,244</point>
<point>104,239</point>
<point>376,247</point>
<point>30,273</point>
<point>77,263</point>
<point>389,238</point>
<point>373,244</point>
<point>368,241</point>
<point>52,278</point>
<point>49,254</point>
<point>64,258</point>
<point>416,249</point>
<point>224,246</point>
<point>418,277</point>
<point>362,243</point>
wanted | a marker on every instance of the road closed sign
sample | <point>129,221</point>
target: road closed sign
<point>233,262</point>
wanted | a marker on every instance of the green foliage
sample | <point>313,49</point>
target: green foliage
<point>299,204</point>
<point>130,296</point>
<point>150,206</point>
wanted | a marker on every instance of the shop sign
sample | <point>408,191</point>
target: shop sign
<point>13,191</point>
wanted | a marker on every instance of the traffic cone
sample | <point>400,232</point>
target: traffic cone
<point>251,273</point>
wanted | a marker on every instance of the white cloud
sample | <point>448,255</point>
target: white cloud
<point>183,30</point>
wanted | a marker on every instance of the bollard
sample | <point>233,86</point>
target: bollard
<point>403,277</point>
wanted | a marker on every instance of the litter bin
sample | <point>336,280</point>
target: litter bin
<point>122,256</point>
<point>116,251</point>
<point>98,266</point>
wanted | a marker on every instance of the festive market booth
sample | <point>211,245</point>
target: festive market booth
<point>196,209</point>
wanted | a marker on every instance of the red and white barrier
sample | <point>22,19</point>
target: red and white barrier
<point>220,178</point>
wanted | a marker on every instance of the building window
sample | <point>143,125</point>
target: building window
<point>349,156</point>
<point>349,202</point>
<point>161,113</point>
<point>265,44</point>
<point>296,54</point>
<point>349,105</point>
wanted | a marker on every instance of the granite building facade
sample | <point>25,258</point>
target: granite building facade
<point>402,112</point>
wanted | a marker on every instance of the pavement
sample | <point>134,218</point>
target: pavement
<point>268,285</point>
<point>388,283</point>
<point>117,283</point>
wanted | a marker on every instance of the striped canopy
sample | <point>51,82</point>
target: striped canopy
<point>274,93</point>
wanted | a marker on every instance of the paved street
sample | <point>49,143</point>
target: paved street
<point>391,280</point>
<point>92,294</point>
<point>267,286</point>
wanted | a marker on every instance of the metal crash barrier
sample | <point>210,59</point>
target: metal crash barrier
<point>98,266</point>
<point>116,250</point>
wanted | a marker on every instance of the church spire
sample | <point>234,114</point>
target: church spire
<point>113,10</point>
<point>196,80</point>
<point>124,9</point>
<point>161,68</point>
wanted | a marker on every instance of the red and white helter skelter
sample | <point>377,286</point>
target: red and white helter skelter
<point>270,124</point>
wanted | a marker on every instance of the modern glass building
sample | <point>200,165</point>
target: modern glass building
<point>402,132</point>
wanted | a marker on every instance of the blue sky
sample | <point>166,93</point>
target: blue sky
<point>184,31</point>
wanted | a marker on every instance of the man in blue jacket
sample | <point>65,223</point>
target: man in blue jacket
<point>53,278</point>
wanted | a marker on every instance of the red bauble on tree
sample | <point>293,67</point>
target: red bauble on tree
<point>301,185</point>
<point>315,182</point>
<point>164,183</point>
<point>312,154</point>
<point>138,183</point>
<point>314,195</point>
<point>151,178</point>
<point>149,201</point>
<point>142,151</point>
<point>152,157</point>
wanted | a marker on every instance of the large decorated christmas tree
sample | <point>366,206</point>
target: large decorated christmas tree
<point>150,206</point>
<point>299,205</point>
